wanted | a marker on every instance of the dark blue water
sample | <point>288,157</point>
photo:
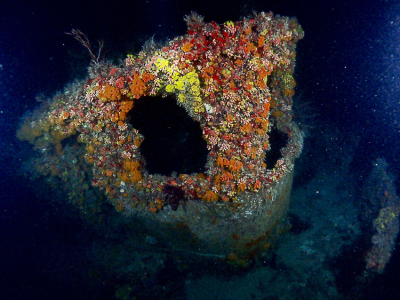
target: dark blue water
<point>347,99</point>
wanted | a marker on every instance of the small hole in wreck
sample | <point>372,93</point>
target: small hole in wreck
<point>277,141</point>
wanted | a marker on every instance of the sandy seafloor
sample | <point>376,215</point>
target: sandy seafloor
<point>306,261</point>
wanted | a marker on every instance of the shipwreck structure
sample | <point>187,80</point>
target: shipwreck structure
<point>235,83</point>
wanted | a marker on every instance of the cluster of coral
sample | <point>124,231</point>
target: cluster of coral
<point>386,224</point>
<point>235,79</point>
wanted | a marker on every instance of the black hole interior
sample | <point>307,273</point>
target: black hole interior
<point>173,140</point>
<point>277,141</point>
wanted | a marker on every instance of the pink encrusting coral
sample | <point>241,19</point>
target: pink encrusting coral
<point>235,79</point>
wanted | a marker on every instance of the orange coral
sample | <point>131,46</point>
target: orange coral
<point>247,30</point>
<point>261,84</point>
<point>89,159</point>
<point>124,108</point>
<point>187,47</point>
<point>225,198</point>
<point>251,152</point>
<point>257,185</point>
<point>110,93</point>
<point>124,176</point>
<point>250,48</point>
<point>137,142</point>
<point>210,196</point>
<point>263,125</point>
<point>226,176</point>
<point>264,114</point>
<point>235,165</point>
<point>90,148</point>
<point>133,168</point>
<point>153,207</point>
<point>220,162</point>
<point>239,62</point>
<point>262,73</point>
<point>65,115</point>
<point>246,128</point>
<point>136,176</point>
<point>261,41</point>
<point>241,187</point>
<point>208,72</point>
<point>138,87</point>
<point>231,165</point>
<point>156,206</point>
<point>159,203</point>
<point>147,77</point>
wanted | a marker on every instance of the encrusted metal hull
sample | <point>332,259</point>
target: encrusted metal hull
<point>242,228</point>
